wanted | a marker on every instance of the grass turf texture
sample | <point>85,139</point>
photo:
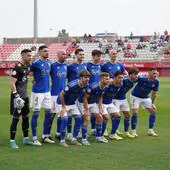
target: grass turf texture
<point>142,153</point>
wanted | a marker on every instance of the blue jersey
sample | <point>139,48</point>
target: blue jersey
<point>95,70</point>
<point>74,70</point>
<point>112,68</point>
<point>94,91</point>
<point>110,93</point>
<point>72,92</point>
<point>127,85</point>
<point>58,77</point>
<point>41,74</point>
<point>145,86</point>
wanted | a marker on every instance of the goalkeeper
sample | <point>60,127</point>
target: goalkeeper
<point>19,105</point>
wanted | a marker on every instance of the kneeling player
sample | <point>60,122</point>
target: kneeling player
<point>67,106</point>
<point>120,100</point>
<point>92,102</point>
<point>109,108</point>
<point>140,95</point>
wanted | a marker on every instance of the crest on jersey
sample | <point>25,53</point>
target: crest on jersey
<point>14,73</point>
<point>118,67</point>
<point>88,90</point>
<point>66,88</point>
<point>19,65</point>
<point>153,85</point>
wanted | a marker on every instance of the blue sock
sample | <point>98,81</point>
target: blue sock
<point>59,124</point>
<point>84,131</point>
<point>69,124</point>
<point>134,121</point>
<point>46,126</point>
<point>98,129</point>
<point>152,118</point>
<point>93,121</point>
<point>115,124</point>
<point>34,123</point>
<point>126,123</point>
<point>104,125</point>
<point>63,125</point>
<point>77,125</point>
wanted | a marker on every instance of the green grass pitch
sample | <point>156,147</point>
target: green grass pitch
<point>142,153</point>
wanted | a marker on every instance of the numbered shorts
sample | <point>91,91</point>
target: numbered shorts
<point>109,108</point>
<point>122,105</point>
<point>40,100</point>
<point>71,110</point>
<point>136,101</point>
<point>93,108</point>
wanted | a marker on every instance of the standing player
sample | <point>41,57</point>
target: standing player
<point>19,98</point>
<point>58,77</point>
<point>120,100</point>
<point>92,102</point>
<point>140,95</point>
<point>94,68</point>
<point>73,72</point>
<point>109,108</point>
<point>67,106</point>
<point>40,97</point>
<point>111,67</point>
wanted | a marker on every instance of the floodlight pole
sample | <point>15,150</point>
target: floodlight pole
<point>35,25</point>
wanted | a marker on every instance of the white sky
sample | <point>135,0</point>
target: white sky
<point>84,16</point>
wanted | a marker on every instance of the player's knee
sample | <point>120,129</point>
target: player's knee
<point>99,118</point>
<point>116,114</point>
<point>126,114</point>
<point>86,119</point>
<point>106,117</point>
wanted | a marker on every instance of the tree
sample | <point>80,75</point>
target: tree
<point>63,33</point>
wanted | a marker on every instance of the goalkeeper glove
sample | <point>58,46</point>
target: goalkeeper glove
<point>18,102</point>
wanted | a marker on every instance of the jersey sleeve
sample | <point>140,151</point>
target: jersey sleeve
<point>88,90</point>
<point>122,67</point>
<point>15,72</point>
<point>66,88</point>
<point>103,68</point>
<point>156,88</point>
<point>34,65</point>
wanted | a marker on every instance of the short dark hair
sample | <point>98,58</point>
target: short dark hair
<point>117,73</point>
<point>152,69</point>
<point>133,70</point>
<point>84,73</point>
<point>42,47</point>
<point>104,74</point>
<point>25,51</point>
<point>78,50</point>
<point>96,52</point>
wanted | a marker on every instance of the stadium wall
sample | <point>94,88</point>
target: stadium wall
<point>163,67</point>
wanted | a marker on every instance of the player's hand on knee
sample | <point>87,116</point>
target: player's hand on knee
<point>63,111</point>
<point>86,112</point>
<point>86,118</point>
<point>99,117</point>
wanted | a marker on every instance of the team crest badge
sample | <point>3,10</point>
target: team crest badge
<point>14,73</point>
<point>67,88</point>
